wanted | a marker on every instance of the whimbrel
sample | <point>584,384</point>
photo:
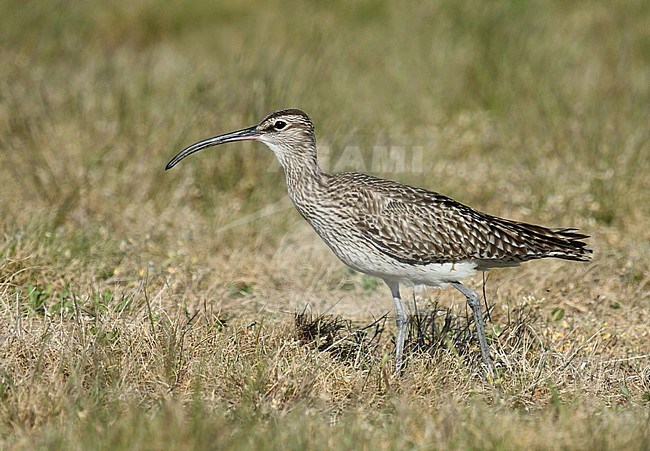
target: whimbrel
<point>399,233</point>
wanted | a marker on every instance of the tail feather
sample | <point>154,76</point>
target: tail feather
<point>564,243</point>
<point>574,246</point>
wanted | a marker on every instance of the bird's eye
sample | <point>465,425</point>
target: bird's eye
<point>279,125</point>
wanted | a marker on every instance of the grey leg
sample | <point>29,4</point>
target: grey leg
<point>401,320</point>
<point>474,301</point>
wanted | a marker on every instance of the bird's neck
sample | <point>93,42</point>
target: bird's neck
<point>304,177</point>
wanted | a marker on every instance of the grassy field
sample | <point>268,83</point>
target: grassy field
<point>148,309</point>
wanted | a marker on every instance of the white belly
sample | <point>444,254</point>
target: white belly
<point>433,274</point>
<point>368,260</point>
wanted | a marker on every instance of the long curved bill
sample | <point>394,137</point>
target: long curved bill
<point>250,133</point>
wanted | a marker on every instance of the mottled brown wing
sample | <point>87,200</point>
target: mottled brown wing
<point>417,226</point>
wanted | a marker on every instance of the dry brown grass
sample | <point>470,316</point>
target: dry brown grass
<point>143,309</point>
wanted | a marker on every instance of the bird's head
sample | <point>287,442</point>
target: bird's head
<point>288,133</point>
